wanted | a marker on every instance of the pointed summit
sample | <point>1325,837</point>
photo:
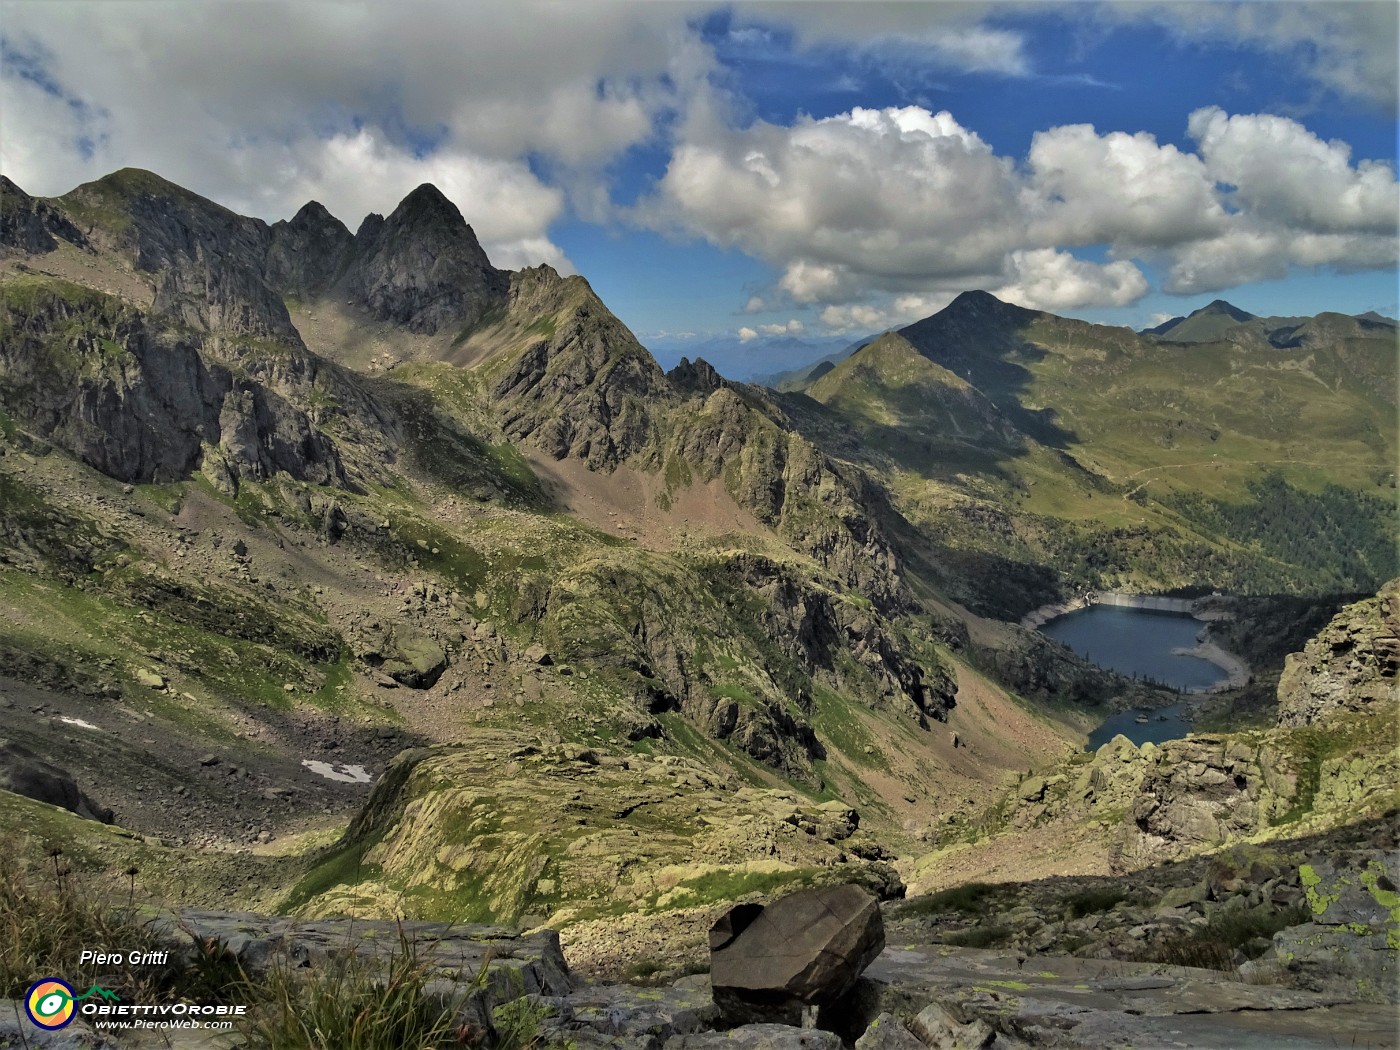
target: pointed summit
<point>1205,325</point>
<point>307,254</point>
<point>428,201</point>
<point>1221,307</point>
<point>423,267</point>
<point>312,213</point>
<point>974,319</point>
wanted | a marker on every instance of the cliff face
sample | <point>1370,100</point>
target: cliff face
<point>567,377</point>
<point>1350,666</point>
<point>422,268</point>
<point>309,253</point>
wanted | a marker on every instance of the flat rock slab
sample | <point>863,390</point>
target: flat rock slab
<point>628,1011</point>
<point>758,1037</point>
<point>1063,1001</point>
<point>448,945</point>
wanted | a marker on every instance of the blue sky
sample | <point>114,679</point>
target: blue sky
<point>818,170</point>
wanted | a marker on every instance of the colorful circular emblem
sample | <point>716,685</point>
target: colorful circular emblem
<point>49,1003</point>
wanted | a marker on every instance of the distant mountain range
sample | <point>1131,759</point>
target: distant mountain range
<point>756,360</point>
<point>1221,320</point>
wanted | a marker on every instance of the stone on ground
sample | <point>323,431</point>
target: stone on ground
<point>806,949</point>
<point>25,773</point>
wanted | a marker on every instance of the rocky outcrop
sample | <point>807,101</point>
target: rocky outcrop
<point>768,963</point>
<point>497,827</point>
<point>1040,669</point>
<point>820,632</point>
<point>1199,793</point>
<point>1351,944</point>
<point>141,403</point>
<point>740,644</point>
<point>309,253</point>
<point>408,655</point>
<point>581,385</point>
<point>1352,665</point>
<point>25,773</point>
<point>696,377</point>
<point>422,268</point>
<point>206,261</point>
<point>827,511</point>
<point>30,224</point>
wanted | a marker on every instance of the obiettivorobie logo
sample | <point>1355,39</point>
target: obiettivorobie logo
<point>52,1003</point>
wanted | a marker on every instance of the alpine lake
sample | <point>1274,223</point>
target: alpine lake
<point>1144,644</point>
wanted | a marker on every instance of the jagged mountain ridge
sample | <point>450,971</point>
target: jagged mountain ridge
<point>184,355</point>
<point>436,596</point>
<point>585,389</point>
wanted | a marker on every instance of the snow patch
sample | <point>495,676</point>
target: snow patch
<point>346,774</point>
<point>78,722</point>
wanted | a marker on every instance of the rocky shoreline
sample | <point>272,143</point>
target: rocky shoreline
<point>1236,670</point>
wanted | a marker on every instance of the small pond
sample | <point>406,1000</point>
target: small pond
<point>1167,724</point>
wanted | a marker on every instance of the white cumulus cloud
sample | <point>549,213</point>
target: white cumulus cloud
<point>1046,279</point>
<point>872,213</point>
<point>1281,172</point>
<point>793,327</point>
<point>264,106</point>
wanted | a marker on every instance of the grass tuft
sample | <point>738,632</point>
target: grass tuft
<point>49,915</point>
<point>351,1004</point>
<point>1230,933</point>
<point>970,898</point>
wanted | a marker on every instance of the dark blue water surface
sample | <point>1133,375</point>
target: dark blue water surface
<point>1167,724</point>
<point>1137,642</point>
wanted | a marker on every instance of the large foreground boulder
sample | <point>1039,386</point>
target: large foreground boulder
<point>25,773</point>
<point>767,963</point>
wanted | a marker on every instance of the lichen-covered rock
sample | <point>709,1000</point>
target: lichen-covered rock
<point>1351,665</point>
<point>1194,794</point>
<point>1353,942</point>
<point>408,655</point>
<point>887,1033</point>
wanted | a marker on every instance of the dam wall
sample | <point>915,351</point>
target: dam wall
<point>1152,602</point>
<point>1200,608</point>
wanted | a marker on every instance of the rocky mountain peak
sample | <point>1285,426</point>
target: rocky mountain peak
<point>308,254</point>
<point>428,203</point>
<point>695,377</point>
<point>313,214</point>
<point>1220,306</point>
<point>370,227</point>
<point>32,224</point>
<point>974,318</point>
<point>982,304</point>
<point>423,267</point>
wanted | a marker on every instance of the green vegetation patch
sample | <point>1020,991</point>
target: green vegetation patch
<point>971,898</point>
